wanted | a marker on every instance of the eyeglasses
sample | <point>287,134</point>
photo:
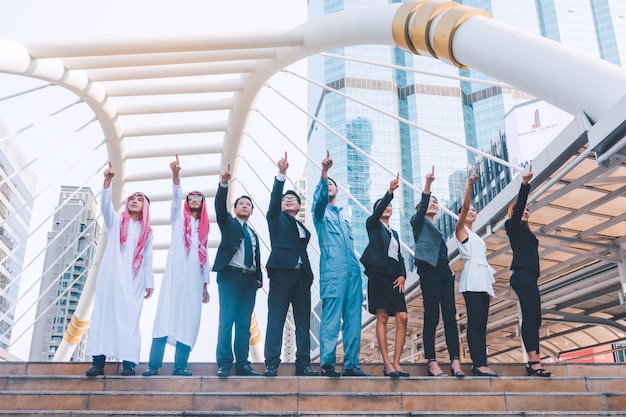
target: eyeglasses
<point>290,198</point>
<point>195,198</point>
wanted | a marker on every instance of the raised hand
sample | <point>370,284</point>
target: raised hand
<point>225,176</point>
<point>473,179</point>
<point>394,184</point>
<point>283,164</point>
<point>175,166</point>
<point>327,163</point>
<point>109,173</point>
<point>528,176</point>
<point>430,177</point>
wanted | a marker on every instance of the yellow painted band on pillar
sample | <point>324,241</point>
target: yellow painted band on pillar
<point>79,323</point>
<point>75,330</point>
<point>420,27</point>
<point>255,333</point>
<point>447,26</point>
<point>72,340</point>
<point>401,23</point>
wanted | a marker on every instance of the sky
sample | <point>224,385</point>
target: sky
<point>49,141</point>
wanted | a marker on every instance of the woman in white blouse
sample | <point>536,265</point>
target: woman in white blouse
<point>476,283</point>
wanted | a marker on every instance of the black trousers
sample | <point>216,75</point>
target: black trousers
<point>157,350</point>
<point>237,294</point>
<point>288,286</point>
<point>524,282</point>
<point>477,304</point>
<point>438,291</point>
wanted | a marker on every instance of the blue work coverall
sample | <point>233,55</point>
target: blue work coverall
<point>340,281</point>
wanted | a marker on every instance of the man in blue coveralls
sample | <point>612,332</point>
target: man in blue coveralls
<point>340,280</point>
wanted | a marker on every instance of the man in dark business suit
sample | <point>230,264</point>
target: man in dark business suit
<point>238,266</point>
<point>290,277</point>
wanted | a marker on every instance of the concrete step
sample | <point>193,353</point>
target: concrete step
<point>62,389</point>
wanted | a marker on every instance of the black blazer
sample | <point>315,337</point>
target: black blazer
<point>287,247</point>
<point>524,244</point>
<point>232,235</point>
<point>375,254</point>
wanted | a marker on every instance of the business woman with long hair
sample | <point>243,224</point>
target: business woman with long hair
<point>437,282</point>
<point>384,267</point>
<point>524,275</point>
<point>476,283</point>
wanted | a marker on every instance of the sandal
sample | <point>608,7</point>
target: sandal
<point>428,369</point>
<point>540,372</point>
<point>458,374</point>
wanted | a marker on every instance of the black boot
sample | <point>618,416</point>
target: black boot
<point>129,368</point>
<point>180,360</point>
<point>98,366</point>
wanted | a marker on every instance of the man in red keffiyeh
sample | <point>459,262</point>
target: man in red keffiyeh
<point>124,280</point>
<point>185,279</point>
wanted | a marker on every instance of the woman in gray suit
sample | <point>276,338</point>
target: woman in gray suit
<point>437,282</point>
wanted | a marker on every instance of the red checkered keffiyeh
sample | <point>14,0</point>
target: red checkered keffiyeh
<point>143,235</point>
<point>203,230</point>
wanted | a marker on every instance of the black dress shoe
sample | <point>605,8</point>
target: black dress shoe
<point>271,370</point>
<point>478,372</point>
<point>305,371</point>
<point>392,374</point>
<point>181,372</point>
<point>330,371</point>
<point>128,372</point>
<point>246,370</point>
<point>151,372</point>
<point>355,372</point>
<point>224,371</point>
<point>403,374</point>
<point>94,371</point>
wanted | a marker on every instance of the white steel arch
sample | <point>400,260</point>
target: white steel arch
<point>160,76</point>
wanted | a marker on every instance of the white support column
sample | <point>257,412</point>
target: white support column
<point>80,320</point>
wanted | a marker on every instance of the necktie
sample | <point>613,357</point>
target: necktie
<point>247,242</point>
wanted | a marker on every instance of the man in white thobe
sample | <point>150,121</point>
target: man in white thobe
<point>185,280</point>
<point>124,280</point>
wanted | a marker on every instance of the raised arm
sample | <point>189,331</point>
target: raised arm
<point>177,194</point>
<point>108,211</point>
<point>221,210</point>
<point>522,198</point>
<point>417,220</point>
<point>384,202</point>
<point>320,197</point>
<point>273,210</point>
<point>461,233</point>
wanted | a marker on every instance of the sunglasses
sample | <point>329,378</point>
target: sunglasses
<point>195,198</point>
<point>290,198</point>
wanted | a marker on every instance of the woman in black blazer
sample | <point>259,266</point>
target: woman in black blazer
<point>384,266</point>
<point>524,275</point>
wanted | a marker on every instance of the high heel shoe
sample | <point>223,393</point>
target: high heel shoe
<point>458,374</point>
<point>478,372</point>
<point>542,373</point>
<point>392,374</point>
<point>440,374</point>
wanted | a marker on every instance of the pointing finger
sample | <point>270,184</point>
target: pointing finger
<point>398,177</point>
<point>177,159</point>
<point>110,166</point>
<point>327,153</point>
<point>285,155</point>
<point>228,168</point>
<point>433,173</point>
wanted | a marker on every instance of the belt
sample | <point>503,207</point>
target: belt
<point>241,270</point>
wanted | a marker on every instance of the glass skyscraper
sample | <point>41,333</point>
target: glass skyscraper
<point>69,254</point>
<point>462,111</point>
<point>17,185</point>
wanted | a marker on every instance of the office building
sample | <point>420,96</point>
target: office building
<point>17,185</point>
<point>69,254</point>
